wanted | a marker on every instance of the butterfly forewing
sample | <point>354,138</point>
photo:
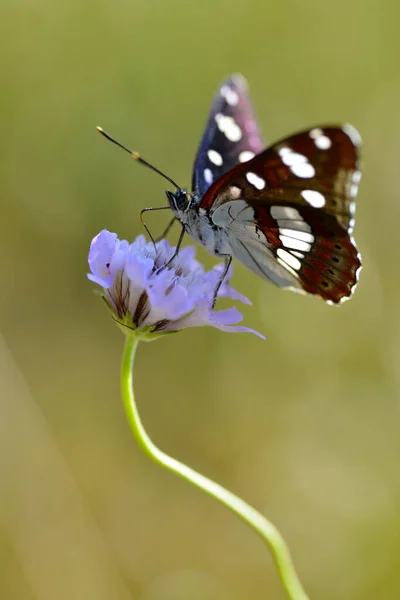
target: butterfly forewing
<point>231,135</point>
<point>289,211</point>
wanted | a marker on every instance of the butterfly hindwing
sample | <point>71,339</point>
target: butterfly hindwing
<point>289,211</point>
<point>231,135</point>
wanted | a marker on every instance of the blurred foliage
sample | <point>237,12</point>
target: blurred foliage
<point>305,426</point>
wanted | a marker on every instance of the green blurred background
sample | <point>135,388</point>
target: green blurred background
<point>305,426</point>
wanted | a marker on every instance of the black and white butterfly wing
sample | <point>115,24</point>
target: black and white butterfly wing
<point>289,212</point>
<point>231,135</point>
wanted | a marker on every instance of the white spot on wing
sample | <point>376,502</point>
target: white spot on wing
<point>246,155</point>
<point>296,244</point>
<point>230,95</point>
<point>299,224</point>
<point>298,254</point>
<point>353,190</point>
<point>288,218</point>
<point>215,157</point>
<point>292,272</point>
<point>303,170</point>
<point>208,176</point>
<point>297,163</point>
<point>234,192</point>
<point>288,259</point>
<point>290,158</point>
<point>228,126</point>
<point>323,142</point>
<point>355,178</point>
<point>284,150</point>
<point>300,235</point>
<point>360,267</point>
<point>357,276</point>
<point>352,133</point>
<point>316,199</point>
<point>320,140</point>
<point>352,212</point>
<point>285,212</point>
<point>255,180</point>
<point>316,133</point>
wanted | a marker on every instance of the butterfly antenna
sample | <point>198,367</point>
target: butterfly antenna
<point>136,156</point>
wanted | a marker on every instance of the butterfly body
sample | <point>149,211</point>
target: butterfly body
<point>198,223</point>
<point>286,211</point>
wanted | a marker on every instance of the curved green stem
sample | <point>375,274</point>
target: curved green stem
<point>243,510</point>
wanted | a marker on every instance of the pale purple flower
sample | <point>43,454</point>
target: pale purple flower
<point>151,296</point>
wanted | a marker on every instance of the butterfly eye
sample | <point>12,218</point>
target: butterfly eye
<point>180,200</point>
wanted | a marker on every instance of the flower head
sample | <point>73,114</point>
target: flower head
<point>150,295</point>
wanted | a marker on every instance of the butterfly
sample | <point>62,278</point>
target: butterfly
<point>286,211</point>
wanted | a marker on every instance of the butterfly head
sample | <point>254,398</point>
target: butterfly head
<point>180,201</point>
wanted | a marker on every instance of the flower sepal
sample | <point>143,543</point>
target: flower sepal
<point>130,329</point>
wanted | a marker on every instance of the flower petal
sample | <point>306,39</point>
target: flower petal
<point>226,321</point>
<point>169,301</point>
<point>101,252</point>
<point>141,283</point>
<point>138,268</point>
<point>226,290</point>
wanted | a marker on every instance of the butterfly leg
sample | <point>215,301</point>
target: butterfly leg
<point>178,246</point>
<point>228,260</point>
<point>175,254</point>
<point>144,224</point>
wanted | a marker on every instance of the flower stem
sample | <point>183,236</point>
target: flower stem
<point>243,510</point>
